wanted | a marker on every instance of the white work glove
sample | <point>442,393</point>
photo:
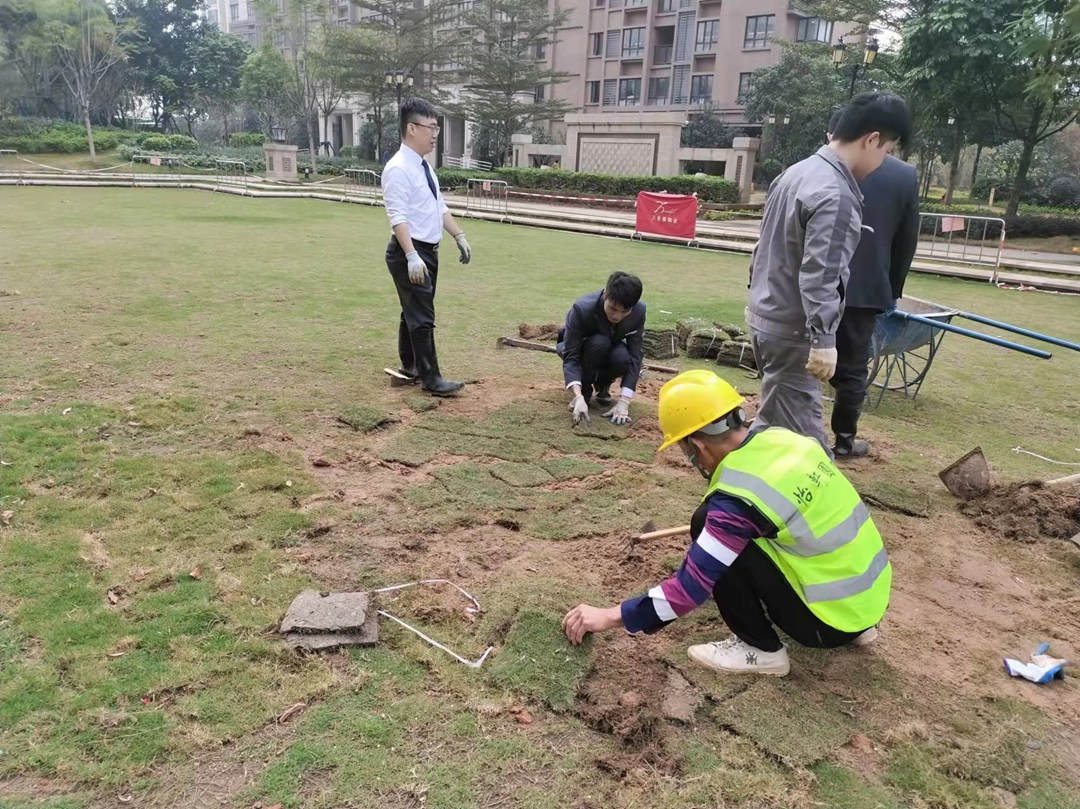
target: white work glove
<point>580,409</point>
<point>822,363</point>
<point>418,273</point>
<point>463,248</point>
<point>620,413</point>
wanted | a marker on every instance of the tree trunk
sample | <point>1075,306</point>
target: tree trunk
<point>1030,140</point>
<point>326,132</point>
<point>311,144</point>
<point>928,178</point>
<point>975,168</point>
<point>954,169</point>
<point>378,134</point>
<point>89,133</point>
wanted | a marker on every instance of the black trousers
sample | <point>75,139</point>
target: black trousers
<point>852,355</point>
<point>601,363</point>
<point>417,302</point>
<point>753,595</point>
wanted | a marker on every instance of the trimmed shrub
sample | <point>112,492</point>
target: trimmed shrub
<point>708,189</point>
<point>241,139</point>
<point>170,143</point>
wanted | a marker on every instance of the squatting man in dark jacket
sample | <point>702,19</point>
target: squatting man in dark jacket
<point>602,341</point>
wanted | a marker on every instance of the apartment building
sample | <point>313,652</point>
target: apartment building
<point>238,17</point>
<point>626,56</point>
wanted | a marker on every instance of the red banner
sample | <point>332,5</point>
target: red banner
<point>667,214</point>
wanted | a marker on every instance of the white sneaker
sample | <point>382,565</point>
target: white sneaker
<point>866,638</point>
<point>733,656</point>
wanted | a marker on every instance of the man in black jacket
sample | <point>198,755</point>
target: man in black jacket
<point>878,270</point>
<point>602,340</point>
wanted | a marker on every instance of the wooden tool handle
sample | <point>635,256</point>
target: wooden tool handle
<point>667,532</point>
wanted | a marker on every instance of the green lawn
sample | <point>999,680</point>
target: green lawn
<point>171,365</point>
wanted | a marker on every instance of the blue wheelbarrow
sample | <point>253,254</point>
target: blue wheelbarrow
<point>906,340</point>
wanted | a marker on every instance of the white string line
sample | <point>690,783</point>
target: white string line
<point>1044,458</point>
<point>473,664</point>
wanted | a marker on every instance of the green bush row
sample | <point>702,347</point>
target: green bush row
<point>240,139</point>
<point>708,189</point>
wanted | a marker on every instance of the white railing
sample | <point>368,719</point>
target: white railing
<point>465,162</point>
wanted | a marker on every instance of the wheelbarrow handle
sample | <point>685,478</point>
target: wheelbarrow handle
<point>978,335</point>
<point>1046,338</point>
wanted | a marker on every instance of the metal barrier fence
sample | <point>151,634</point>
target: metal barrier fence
<point>231,170</point>
<point>962,238</point>
<point>490,196</point>
<point>362,181</point>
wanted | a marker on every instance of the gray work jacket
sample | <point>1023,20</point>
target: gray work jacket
<point>809,232</point>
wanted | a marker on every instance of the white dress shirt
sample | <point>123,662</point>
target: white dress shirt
<point>408,198</point>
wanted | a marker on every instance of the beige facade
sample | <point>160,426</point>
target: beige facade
<point>634,56</point>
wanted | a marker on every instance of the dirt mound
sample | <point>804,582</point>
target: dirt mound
<point>1028,511</point>
<point>544,331</point>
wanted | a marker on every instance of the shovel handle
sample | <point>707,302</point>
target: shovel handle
<point>667,532</point>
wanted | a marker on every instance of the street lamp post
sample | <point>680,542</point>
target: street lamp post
<point>868,59</point>
<point>399,80</point>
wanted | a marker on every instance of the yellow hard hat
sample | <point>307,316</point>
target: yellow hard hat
<point>690,401</point>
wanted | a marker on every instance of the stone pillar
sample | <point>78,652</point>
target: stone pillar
<point>520,155</point>
<point>280,161</point>
<point>357,125</point>
<point>739,168</point>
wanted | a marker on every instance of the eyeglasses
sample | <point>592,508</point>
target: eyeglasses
<point>433,127</point>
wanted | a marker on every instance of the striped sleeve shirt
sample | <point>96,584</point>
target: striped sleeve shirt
<point>722,527</point>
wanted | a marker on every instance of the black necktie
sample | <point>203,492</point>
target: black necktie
<point>430,179</point>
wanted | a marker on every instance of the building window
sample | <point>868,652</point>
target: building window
<point>814,29</point>
<point>633,42</point>
<point>211,16</point>
<point>541,50</point>
<point>613,42</point>
<point>701,89</point>
<point>658,90</point>
<point>592,92</point>
<point>678,86</point>
<point>596,44</point>
<point>706,36</point>
<point>538,93</point>
<point>610,88</point>
<point>234,11</point>
<point>745,82</point>
<point>759,31</point>
<point>635,3</point>
<point>629,92</point>
<point>599,3</point>
<point>665,6</point>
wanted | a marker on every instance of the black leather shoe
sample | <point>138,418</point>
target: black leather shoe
<point>423,340</point>
<point>603,397</point>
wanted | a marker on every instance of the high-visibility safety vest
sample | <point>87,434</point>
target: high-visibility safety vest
<point>826,545</point>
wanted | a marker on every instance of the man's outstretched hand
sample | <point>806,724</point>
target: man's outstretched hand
<point>583,619</point>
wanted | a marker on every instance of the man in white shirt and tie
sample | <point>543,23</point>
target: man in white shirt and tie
<point>418,215</point>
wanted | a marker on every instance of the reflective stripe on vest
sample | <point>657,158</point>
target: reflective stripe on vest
<point>806,543</point>
<point>844,588</point>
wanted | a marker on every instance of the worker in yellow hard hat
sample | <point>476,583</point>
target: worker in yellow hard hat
<point>780,538</point>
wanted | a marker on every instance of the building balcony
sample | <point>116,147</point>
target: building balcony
<point>662,54</point>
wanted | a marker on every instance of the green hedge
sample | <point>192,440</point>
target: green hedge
<point>708,189</point>
<point>1031,222</point>
<point>169,143</point>
<point>241,139</point>
<point>39,135</point>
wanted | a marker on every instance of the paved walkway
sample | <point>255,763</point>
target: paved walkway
<point>748,229</point>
